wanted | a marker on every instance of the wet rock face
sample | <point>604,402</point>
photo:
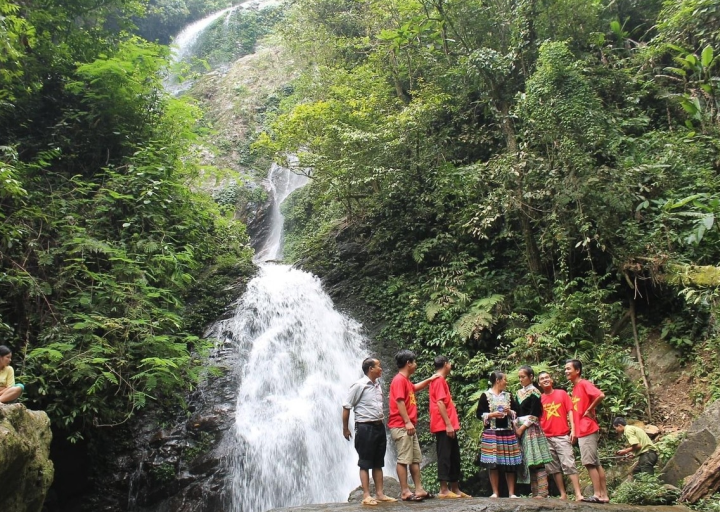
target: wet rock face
<point>482,505</point>
<point>158,465</point>
<point>26,471</point>
<point>257,217</point>
<point>182,466</point>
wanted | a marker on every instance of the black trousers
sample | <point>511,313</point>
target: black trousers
<point>646,463</point>
<point>370,443</point>
<point>448,456</point>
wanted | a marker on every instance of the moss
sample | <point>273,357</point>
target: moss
<point>691,275</point>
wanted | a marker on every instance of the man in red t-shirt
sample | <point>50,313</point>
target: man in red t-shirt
<point>444,424</point>
<point>558,425</point>
<point>585,398</point>
<point>402,421</point>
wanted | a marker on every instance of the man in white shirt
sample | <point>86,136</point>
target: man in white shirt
<point>366,399</point>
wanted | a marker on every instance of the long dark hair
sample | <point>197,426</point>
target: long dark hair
<point>496,376</point>
<point>4,351</point>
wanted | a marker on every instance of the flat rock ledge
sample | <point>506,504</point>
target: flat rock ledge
<point>483,505</point>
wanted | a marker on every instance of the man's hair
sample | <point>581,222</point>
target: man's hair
<point>496,376</point>
<point>404,357</point>
<point>368,364</point>
<point>576,364</point>
<point>4,351</point>
<point>619,421</point>
<point>440,362</point>
<point>528,371</point>
<point>544,373</point>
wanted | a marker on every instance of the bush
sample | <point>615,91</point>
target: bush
<point>645,490</point>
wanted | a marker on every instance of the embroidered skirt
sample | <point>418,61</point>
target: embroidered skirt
<point>500,450</point>
<point>535,447</point>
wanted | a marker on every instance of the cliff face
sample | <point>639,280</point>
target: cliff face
<point>26,470</point>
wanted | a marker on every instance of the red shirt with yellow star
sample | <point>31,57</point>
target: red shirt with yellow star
<point>556,406</point>
<point>583,394</point>
<point>402,389</point>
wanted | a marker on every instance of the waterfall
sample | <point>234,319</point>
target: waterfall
<point>186,39</point>
<point>184,42</point>
<point>298,358</point>
<point>282,183</point>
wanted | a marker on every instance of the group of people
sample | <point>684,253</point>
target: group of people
<point>9,389</point>
<point>527,435</point>
<point>366,399</point>
<point>530,435</point>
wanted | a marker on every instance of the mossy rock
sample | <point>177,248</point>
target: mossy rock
<point>26,470</point>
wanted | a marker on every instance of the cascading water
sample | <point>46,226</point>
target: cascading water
<point>184,42</point>
<point>299,356</point>
<point>282,183</point>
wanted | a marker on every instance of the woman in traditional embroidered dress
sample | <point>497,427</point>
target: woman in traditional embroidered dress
<point>500,450</point>
<point>535,448</point>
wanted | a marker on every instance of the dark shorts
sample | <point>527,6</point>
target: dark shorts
<point>370,444</point>
<point>646,463</point>
<point>448,455</point>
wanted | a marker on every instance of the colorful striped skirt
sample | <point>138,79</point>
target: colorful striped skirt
<point>500,450</point>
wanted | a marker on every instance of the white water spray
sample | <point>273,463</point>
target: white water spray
<point>299,357</point>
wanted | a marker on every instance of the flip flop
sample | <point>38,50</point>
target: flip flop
<point>386,499</point>
<point>463,495</point>
<point>426,496</point>
<point>449,496</point>
<point>412,497</point>
<point>592,499</point>
<point>370,501</point>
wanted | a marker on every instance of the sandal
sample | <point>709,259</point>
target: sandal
<point>426,496</point>
<point>370,501</point>
<point>412,497</point>
<point>592,499</point>
<point>463,495</point>
<point>386,499</point>
<point>450,496</point>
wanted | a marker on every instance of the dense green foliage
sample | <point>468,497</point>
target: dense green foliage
<point>512,182</point>
<point>645,490</point>
<point>101,239</point>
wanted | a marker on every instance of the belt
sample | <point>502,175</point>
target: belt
<point>378,422</point>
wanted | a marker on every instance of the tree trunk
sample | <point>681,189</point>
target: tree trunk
<point>531,249</point>
<point>705,481</point>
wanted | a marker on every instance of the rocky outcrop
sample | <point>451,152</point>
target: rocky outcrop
<point>26,471</point>
<point>703,437</point>
<point>257,215</point>
<point>182,467</point>
<point>158,464</point>
<point>484,505</point>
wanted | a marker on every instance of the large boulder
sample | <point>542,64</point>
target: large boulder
<point>702,440</point>
<point>26,470</point>
<point>391,487</point>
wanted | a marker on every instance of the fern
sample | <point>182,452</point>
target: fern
<point>479,316</point>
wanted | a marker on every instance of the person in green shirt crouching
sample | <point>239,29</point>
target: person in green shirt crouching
<point>640,446</point>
